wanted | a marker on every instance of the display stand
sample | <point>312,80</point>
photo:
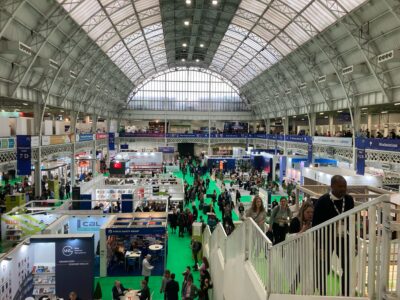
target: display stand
<point>14,201</point>
<point>44,280</point>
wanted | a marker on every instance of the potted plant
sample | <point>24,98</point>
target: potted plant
<point>97,292</point>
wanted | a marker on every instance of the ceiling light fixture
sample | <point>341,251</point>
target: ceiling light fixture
<point>184,45</point>
<point>364,108</point>
<point>201,45</point>
<point>183,60</point>
<point>294,117</point>
<point>214,2</point>
<point>197,60</point>
<point>384,112</point>
<point>397,104</point>
<point>326,117</point>
<point>26,104</point>
<point>188,2</point>
<point>340,111</point>
<point>186,23</point>
<point>321,113</point>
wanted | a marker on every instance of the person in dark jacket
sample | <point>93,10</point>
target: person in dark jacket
<point>118,290</point>
<point>172,289</point>
<point>328,206</point>
<point>144,293</point>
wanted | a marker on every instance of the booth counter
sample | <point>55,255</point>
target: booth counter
<point>127,238</point>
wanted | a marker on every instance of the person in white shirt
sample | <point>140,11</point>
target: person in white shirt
<point>147,267</point>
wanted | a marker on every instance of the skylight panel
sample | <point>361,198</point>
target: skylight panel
<point>145,4</point>
<point>349,5</point>
<point>253,6</point>
<point>276,18</point>
<point>85,11</point>
<point>123,14</point>
<point>324,19</point>
<point>297,33</point>
<point>297,5</point>
<point>243,22</point>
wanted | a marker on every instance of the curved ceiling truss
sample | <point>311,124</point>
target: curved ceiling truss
<point>277,52</point>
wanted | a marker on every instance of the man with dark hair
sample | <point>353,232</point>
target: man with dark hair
<point>328,206</point>
<point>172,288</point>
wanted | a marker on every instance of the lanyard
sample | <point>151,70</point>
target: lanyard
<point>343,204</point>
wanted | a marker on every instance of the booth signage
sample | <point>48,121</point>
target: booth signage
<point>100,136</point>
<point>74,267</point>
<point>84,137</point>
<point>360,161</point>
<point>111,141</point>
<point>333,141</point>
<point>92,225</point>
<point>135,231</point>
<point>166,149</point>
<point>24,154</point>
<point>59,139</point>
<point>296,138</point>
<point>7,143</point>
<point>383,144</point>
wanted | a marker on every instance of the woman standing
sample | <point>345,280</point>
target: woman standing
<point>257,212</point>
<point>280,218</point>
<point>303,221</point>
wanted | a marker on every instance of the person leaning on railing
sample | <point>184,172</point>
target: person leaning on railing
<point>257,212</point>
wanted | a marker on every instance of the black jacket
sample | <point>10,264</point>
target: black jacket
<point>144,294</point>
<point>324,209</point>
<point>116,294</point>
<point>172,290</point>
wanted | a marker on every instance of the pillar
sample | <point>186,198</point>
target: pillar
<point>285,123</point>
<point>331,125</point>
<point>94,129</point>
<point>267,125</point>
<point>294,126</point>
<point>312,121</point>
<point>37,177</point>
<point>356,132</point>
<point>72,128</point>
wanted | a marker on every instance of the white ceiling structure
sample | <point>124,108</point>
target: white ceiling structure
<point>286,57</point>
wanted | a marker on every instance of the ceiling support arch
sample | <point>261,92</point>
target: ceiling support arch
<point>8,11</point>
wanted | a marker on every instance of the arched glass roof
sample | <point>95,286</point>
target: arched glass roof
<point>187,89</point>
<point>259,32</point>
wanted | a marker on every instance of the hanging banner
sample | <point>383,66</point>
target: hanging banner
<point>74,267</point>
<point>333,141</point>
<point>166,149</point>
<point>24,155</point>
<point>84,137</point>
<point>111,141</point>
<point>309,152</point>
<point>361,143</point>
<point>100,136</point>
<point>282,168</point>
<point>383,144</point>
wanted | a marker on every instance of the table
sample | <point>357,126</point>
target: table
<point>131,295</point>
<point>155,247</point>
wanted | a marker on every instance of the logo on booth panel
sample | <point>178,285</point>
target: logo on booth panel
<point>67,251</point>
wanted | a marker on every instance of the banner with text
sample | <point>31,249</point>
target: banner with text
<point>333,141</point>
<point>74,267</point>
<point>24,155</point>
<point>111,141</point>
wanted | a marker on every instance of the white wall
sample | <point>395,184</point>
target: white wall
<point>5,130</point>
<point>44,253</point>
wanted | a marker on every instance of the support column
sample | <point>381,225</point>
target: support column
<point>72,128</point>
<point>331,125</point>
<point>312,121</point>
<point>356,132</point>
<point>267,125</point>
<point>108,126</point>
<point>285,123</point>
<point>294,126</point>
<point>209,151</point>
<point>37,177</point>
<point>369,123</point>
<point>94,129</point>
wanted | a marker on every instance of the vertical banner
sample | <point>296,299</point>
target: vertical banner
<point>282,168</point>
<point>360,163</point>
<point>24,155</point>
<point>309,152</point>
<point>111,141</point>
<point>74,267</point>
<point>276,144</point>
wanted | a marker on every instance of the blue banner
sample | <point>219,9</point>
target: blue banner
<point>297,138</point>
<point>84,137</point>
<point>309,153</point>
<point>165,149</point>
<point>361,144</point>
<point>24,155</point>
<point>74,267</point>
<point>111,141</point>
<point>382,144</point>
<point>136,231</point>
<point>282,168</point>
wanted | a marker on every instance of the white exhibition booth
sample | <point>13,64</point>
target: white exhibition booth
<point>323,175</point>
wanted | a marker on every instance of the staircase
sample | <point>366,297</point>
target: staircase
<point>312,265</point>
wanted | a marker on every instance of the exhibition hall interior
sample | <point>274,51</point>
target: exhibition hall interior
<point>199,149</point>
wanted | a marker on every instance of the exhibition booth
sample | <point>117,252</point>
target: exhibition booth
<point>48,267</point>
<point>126,239</point>
<point>323,175</point>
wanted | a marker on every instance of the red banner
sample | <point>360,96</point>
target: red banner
<point>100,136</point>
